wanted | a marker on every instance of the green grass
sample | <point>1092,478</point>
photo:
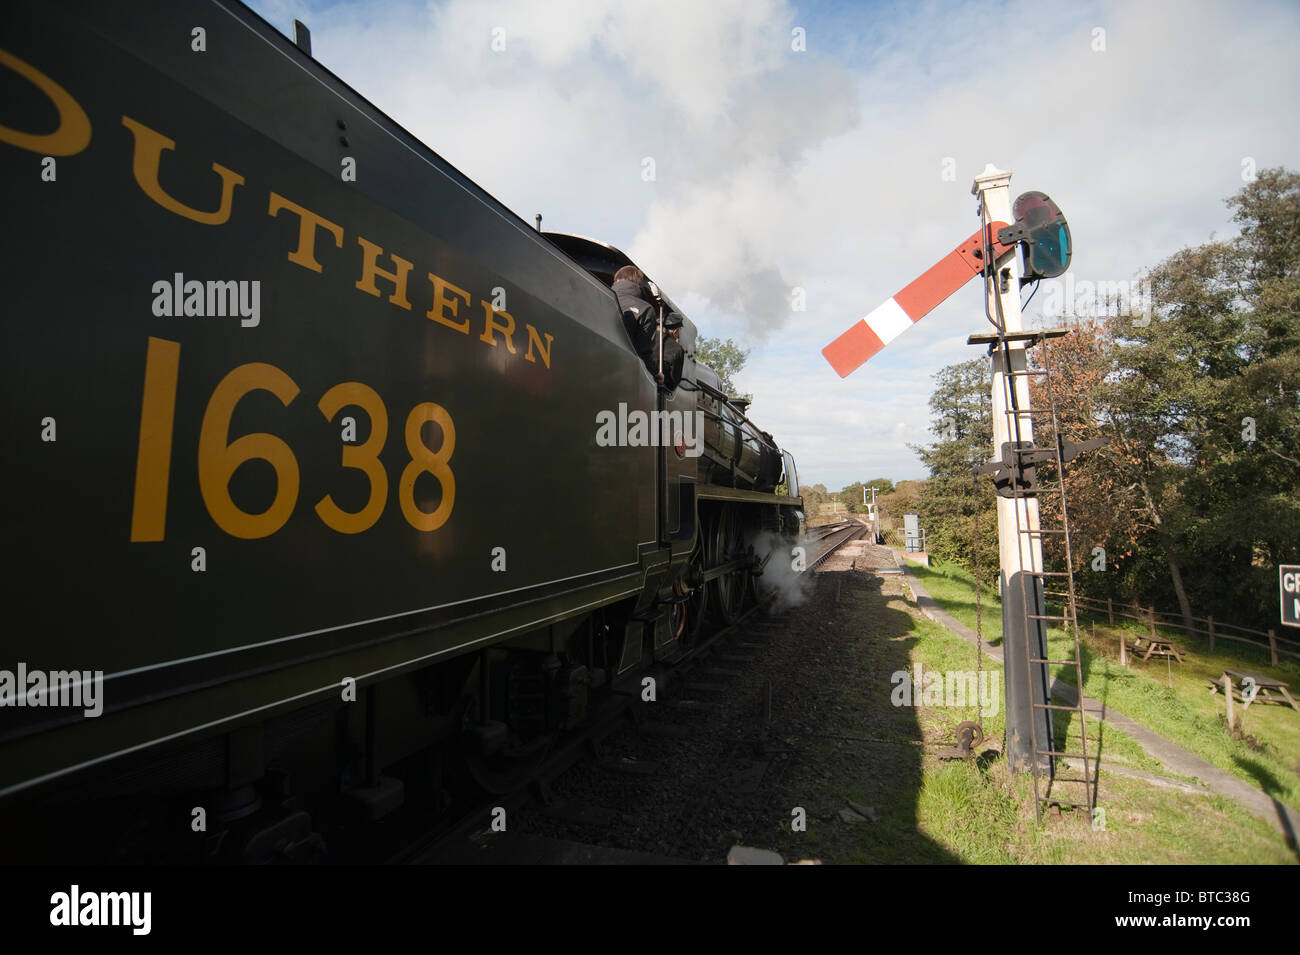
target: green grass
<point>953,589</point>
<point>1265,754</point>
<point>867,751</point>
<point>982,816</point>
<point>980,813</point>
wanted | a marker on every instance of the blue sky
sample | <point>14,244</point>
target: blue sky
<point>823,169</point>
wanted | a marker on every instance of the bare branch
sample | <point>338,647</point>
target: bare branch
<point>1279,454</point>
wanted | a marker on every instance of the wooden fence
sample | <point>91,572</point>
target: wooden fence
<point>1215,630</point>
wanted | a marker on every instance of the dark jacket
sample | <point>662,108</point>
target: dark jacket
<point>640,315</point>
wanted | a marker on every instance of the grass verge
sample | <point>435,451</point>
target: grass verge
<point>1170,698</point>
<point>975,812</point>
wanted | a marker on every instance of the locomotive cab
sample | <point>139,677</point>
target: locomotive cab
<point>602,260</point>
<point>736,453</point>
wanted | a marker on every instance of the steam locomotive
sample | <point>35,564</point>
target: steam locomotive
<point>320,458</point>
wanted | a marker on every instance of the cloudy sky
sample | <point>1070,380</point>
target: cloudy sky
<point>843,168</point>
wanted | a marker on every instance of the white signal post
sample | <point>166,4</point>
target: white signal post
<point>1018,552</point>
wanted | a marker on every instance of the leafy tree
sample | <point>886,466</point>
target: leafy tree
<point>902,500</point>
<point>1201,400</point>
<point>852,494</point>
<point>724,357</point>
<point>851,498</point>
<point>948,502</point>
<point>814,498</point>
<point>1103,505</point>
<point>1228,316</point>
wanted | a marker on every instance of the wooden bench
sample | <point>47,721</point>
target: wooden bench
<point>1146,648</point>
<point>1264,688</point>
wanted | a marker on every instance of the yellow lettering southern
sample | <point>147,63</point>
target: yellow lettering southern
<point>442,304</point>
<point>70,137</point>
<point>370,268</point>
<point>308,223</point>
<point>491,325</point>
<point>543,350</point>
<point>149,147</point>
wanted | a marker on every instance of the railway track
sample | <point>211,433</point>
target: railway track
<point>828,538</point>
<point>544,819</point>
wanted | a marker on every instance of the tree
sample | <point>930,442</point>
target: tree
<point>1202,403</point>
<point>851,498</point>
<point>902,500</point>
<point>1104,508</point>
<point>1239,505</point>
<point>814,498</point>
<point>726,358</point>
<point>949,501</point>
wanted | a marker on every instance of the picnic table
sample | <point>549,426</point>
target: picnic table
<point>1146,648</point>
<point>1263,686</point>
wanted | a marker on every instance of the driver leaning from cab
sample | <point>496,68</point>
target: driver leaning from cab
<point>641,317</point>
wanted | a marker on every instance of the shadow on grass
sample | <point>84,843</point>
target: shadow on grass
<point>875,641</point>
<point>1065,690</point>
<point>1269,783</point>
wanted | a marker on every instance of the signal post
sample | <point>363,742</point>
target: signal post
<point>1019,553</point>
<point>1034,225</point>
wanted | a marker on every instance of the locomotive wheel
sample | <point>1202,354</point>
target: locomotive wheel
<point>508,770</point>
<point>728,544</point>
<point>509,767</point>
<point>690,617</point>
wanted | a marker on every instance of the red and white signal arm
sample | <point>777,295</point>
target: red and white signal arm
<point>916,300</point>
<point>1040,226</point>
<point>1289,587</point>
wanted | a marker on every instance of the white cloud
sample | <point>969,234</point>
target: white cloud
<point>822,169</point>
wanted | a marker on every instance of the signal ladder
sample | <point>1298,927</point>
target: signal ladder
<point>1025,461</point>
